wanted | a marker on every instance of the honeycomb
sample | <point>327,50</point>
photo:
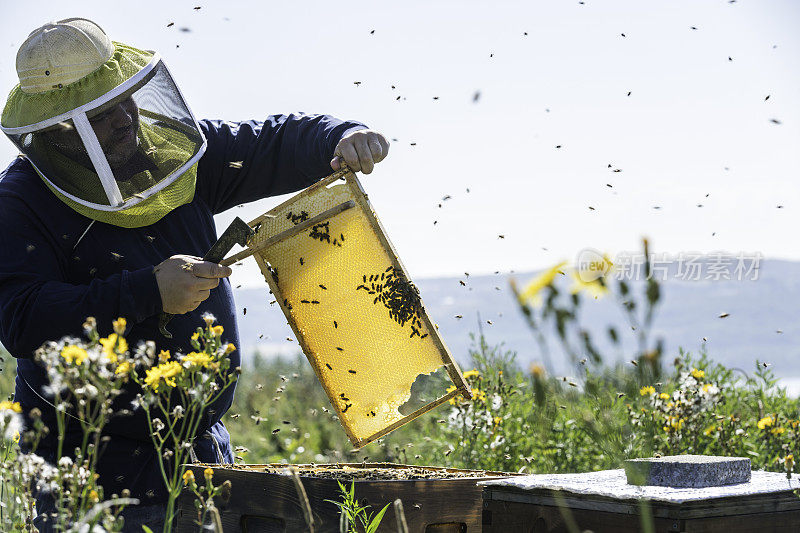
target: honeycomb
<point>359,320</point>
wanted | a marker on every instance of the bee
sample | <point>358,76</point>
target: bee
<point>286,422</point>
<point>340,349</point>
<point>235,416</point>
<point>501,236</point>
<point>244,311</point>
<point>259,386</point>
<point>489,322</point>
<point>235,164</point>
<point>352,371</point>
<point>275,431</point>
<point>724,315</point>
<point>301,261</point>
<point>116,256</point>
<point>289,339</point>
<point>335,324</point>
<point>459,316</point>
<point>30,248</point>
<point>462,283</point>
<point>329,366</point>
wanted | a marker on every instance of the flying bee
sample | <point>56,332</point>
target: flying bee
<point>235,416</point>
<point>235,164</point>
<point>259,386</point>
<point>275,431</point>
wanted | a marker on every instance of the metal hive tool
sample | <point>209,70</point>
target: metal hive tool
<point>357,317</point>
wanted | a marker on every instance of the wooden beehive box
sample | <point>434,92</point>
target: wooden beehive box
<point>264,500</point>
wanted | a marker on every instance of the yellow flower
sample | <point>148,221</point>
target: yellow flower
<point>163,356</point>
<point>165,372</point>
<point>93,496</point>
<point>13,406</point>
<point>698,374</point>
<point>229,348</point>
<point>765,422</point>
<point>15,438</point>
<point>123,368</point>
<point>788,462</point>
<point>777,431</point>
<point>195,335</point>
<point>664,396</point>
<point>537,370</point>
<point>497,420</point>
<point>217,331</point>
<point>188,477</point>
<point>471,373</point>
<point>113,345</point>
<point>596,288</point>
<point>119,325</point>
<point>208,473</point>
<point>647,391</point>
<point>706,386</point>
<point>74,354</point>
<point>479,395</point>
<point>198,359</point>
<point>709,430</point>
<point>530,294</point>
<point>451,388</point>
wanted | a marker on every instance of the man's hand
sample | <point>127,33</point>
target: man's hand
<point>184,281</point>
<point>360,150</point>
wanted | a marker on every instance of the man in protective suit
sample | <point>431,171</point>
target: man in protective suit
<point>114,194</point>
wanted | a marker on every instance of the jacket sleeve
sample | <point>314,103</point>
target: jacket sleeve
<point>248,161</point>
<point>36,306</point>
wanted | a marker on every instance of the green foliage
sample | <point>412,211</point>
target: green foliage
<point>357,514</point>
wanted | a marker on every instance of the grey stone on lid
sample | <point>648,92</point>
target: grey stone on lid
<point>689,471</point>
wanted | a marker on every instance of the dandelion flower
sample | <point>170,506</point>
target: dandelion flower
<point>74,354</point>
<point>664,396</point>
<point>647,391</point>
<point>119,325</point>
<point>197,359</point>
<point>530,294</point>
<point>765,422</point>
<point>471,374</point>
<point>698,374</point>
<point>596,288</point>
<point>165,372</point>
<point>123,368</point>
<point>11,406</point>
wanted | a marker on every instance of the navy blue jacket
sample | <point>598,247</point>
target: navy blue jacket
<point>50,281</point>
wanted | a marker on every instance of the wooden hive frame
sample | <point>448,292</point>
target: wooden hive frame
<point>360,200</point>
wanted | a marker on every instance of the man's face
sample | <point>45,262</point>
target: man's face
<point>115,127</point>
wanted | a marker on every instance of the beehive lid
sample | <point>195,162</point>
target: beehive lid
<point>357,317</point>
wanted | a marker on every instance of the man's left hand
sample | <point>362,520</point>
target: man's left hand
<point>360,150</point>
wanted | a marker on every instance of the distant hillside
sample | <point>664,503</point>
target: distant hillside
<point>689,312</point>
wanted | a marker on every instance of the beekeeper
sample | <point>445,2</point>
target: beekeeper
<point>115,190</point>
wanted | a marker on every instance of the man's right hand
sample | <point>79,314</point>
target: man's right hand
<point>185,281</point>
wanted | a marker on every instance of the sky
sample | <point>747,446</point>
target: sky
<point>558,124</point>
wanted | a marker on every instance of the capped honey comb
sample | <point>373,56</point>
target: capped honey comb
<point>358,318</point>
